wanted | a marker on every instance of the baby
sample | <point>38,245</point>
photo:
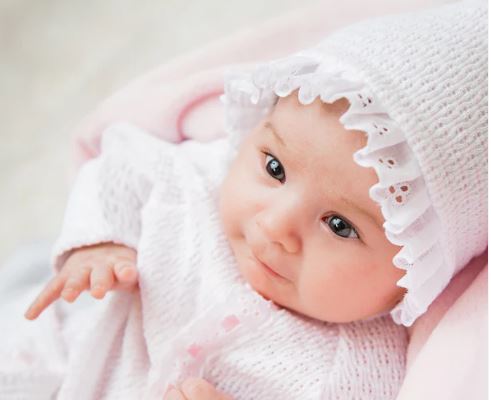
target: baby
<point>268,262</point>
<point>291,233</point>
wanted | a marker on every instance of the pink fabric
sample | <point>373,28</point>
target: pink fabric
<point>448,349</point>
<point>447,355</point>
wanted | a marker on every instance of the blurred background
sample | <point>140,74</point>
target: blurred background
<point>59,59</point>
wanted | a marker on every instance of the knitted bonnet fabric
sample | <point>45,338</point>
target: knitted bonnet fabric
<point>417,87</point>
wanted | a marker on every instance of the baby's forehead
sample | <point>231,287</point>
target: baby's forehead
<point>292,102</point>
<point>314,128</point>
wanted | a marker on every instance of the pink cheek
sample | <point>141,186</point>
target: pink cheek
<point>233,211</point>
<point>249,197</point>
<point>260,195</point>
<point>244,195</point>
<point>227,209</point>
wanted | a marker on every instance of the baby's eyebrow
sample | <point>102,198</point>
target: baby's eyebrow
<point>269,126</point>
<point>361,210</point>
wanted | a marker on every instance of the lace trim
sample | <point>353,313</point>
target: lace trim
<point>411,221</point>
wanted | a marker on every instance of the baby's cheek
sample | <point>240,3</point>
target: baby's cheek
<point>314,294</point>
<point>237,203</point>
<point>226,210</point>
<point>333,296</point>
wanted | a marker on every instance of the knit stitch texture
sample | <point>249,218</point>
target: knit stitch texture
<point>194,314</point>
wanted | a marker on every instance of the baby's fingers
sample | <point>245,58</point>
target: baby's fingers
<point>126,274</point>
<point>76,283</point>
<point>47,296</point>
<point>101,280</point>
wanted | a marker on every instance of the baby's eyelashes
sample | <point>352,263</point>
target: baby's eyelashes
<point>274,168</point>
<point>341,227</point>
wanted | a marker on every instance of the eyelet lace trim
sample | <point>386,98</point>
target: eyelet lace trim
<point>411,221</point>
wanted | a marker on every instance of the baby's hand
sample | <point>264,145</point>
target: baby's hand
<point>101,267</point>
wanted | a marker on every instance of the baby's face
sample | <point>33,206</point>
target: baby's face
<point>296,211</point>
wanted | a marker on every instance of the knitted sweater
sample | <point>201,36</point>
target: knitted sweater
<point>194,314</point>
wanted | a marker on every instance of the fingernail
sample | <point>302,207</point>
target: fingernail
<point>127,271</point>
<point>67,293</point>
<point>98,291</point>
<point>27,314</point>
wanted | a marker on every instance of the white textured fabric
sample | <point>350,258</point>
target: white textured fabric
<point>194,315</point>
<point>417,86</point>
<point>31,357</point>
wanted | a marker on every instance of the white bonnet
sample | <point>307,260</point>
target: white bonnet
<point>417,85</point>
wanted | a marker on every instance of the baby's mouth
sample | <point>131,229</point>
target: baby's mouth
<point>253,248</point>
<point>271,271</point>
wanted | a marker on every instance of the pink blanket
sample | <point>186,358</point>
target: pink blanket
<point>447,355</point>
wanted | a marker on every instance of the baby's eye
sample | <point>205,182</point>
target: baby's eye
<point>341,227</point>
<point>274,168</point>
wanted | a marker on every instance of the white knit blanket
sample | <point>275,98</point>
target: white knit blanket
<point>194,315</point>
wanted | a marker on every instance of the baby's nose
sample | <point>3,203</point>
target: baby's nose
<point>280,225</point>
